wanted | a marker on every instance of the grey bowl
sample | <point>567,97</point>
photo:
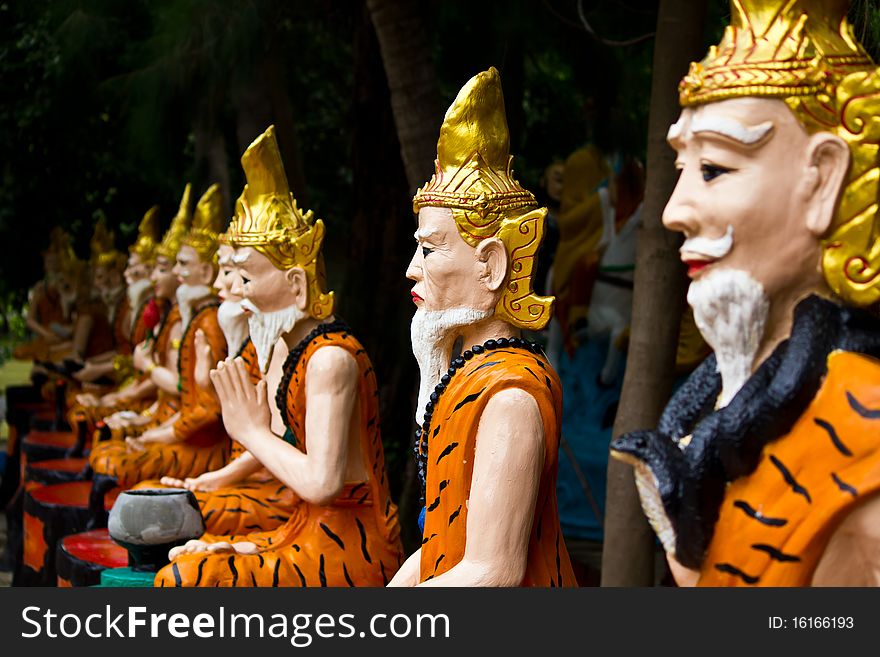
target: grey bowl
<point>149,522</point>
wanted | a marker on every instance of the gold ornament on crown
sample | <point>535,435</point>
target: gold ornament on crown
<point>102,248</point>
<point>175,234</point>
<point>805,53</point>
<point>148,236</point>
<point>206,224</point>
<point>473,178</point>
<point>268,219</point>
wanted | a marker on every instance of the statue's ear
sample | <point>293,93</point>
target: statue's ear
<point>828,160</point>
<point>493,261</point>
<point>299,286</point>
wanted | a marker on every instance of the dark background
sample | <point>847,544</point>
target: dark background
<point>108,107</point>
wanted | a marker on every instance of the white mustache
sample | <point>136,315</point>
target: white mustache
<point>711,248</point>
<point>248,305</point>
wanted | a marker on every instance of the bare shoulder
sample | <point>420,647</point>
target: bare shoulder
<point>512,412</point>
<point>514,401</point>
<point>864,521</point>
<point>331,362</point>
<point>852,556</point>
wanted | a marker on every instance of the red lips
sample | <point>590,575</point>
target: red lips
<point>696,266</point>
<point>415,297</point>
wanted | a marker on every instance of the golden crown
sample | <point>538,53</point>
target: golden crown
<point>207,224</point>
<point>175,234</point>
<point>268,219</point>
<point>102,247</point>
<point>805,53</point>
<point>148,236</point>
<point>473,178</point>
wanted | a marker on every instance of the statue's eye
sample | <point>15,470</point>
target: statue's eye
<point>711,171</point>
<point>245,281</point>
<point>426,251</point>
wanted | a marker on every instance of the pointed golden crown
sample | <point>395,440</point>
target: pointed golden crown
<point>102,248</point>
<point>268,219</point>
<point>173,237</point>
<point>207,224</point>
<point>148,236</point>
<point>473,167</point>
<point>805,53</point>
<point>776,48</point>
<point>474,179</point>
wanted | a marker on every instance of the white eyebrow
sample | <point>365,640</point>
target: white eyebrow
<point>746,135</point>
<point>240,258</point>
<point>675,129</point>
<point>224,260</point>
<point>424,233</point>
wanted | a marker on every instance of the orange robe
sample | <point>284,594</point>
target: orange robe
<point>139,332</point>
<point>352,541</point>
<point>832,460</point>
<point>49,311</point>
<point>450,462</point>
<point>202,443</point>
<point>259,503</point>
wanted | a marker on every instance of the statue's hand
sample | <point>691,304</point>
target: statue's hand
<point>87,373</point>
<point>142,357</point>
<point>87,399</point>
<point>135,444</point>
<point>204,483</point>
<point>196,546</point>
<point>204,361</point>
<point>244,406</point>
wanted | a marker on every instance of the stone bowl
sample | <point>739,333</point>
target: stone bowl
<point>149,522</point>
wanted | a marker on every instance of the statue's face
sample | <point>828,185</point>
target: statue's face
<point>164,279</point>
<point>747,184</point>
<point>106,279</point>
<point>447,271</point>
<point>51,266</point>
<point>136,269</point>
<point>259,281</point>
<point>190,269</point>
<point>226,274</point>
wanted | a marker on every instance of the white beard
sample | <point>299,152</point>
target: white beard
<point>234,325</point>
<point>186,294</point>
<point>730,309</point>
<point>111,299</point>
<point>68,301</point>
<point>267,328</point>
<point>138,293</point>
<point>432,333</point>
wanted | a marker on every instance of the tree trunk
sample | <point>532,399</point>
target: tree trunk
<point>261,99</point>
<point>212,162</point>
<point>628,554</point>
<point>380,246</point>
<point>415,99</point>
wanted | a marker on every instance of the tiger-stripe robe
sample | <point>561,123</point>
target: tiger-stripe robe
<point>352,541</point>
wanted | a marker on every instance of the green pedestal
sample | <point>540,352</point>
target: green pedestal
<point>126,577</point>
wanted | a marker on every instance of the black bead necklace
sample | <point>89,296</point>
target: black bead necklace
<point>420,449</point>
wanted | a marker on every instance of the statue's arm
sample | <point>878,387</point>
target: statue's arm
<point>408,574</point>
<point>852,556</point>
<point>331,395</point>
<point>508,460</point>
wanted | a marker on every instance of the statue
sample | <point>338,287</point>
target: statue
<point>324,443</point>
<point>47,317</point>
<point>489,401</point>
<point>764,468</point>
<point>192,440</point>
<point>133,389</point>
<point>110,323</point>
<point>242,496</point>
